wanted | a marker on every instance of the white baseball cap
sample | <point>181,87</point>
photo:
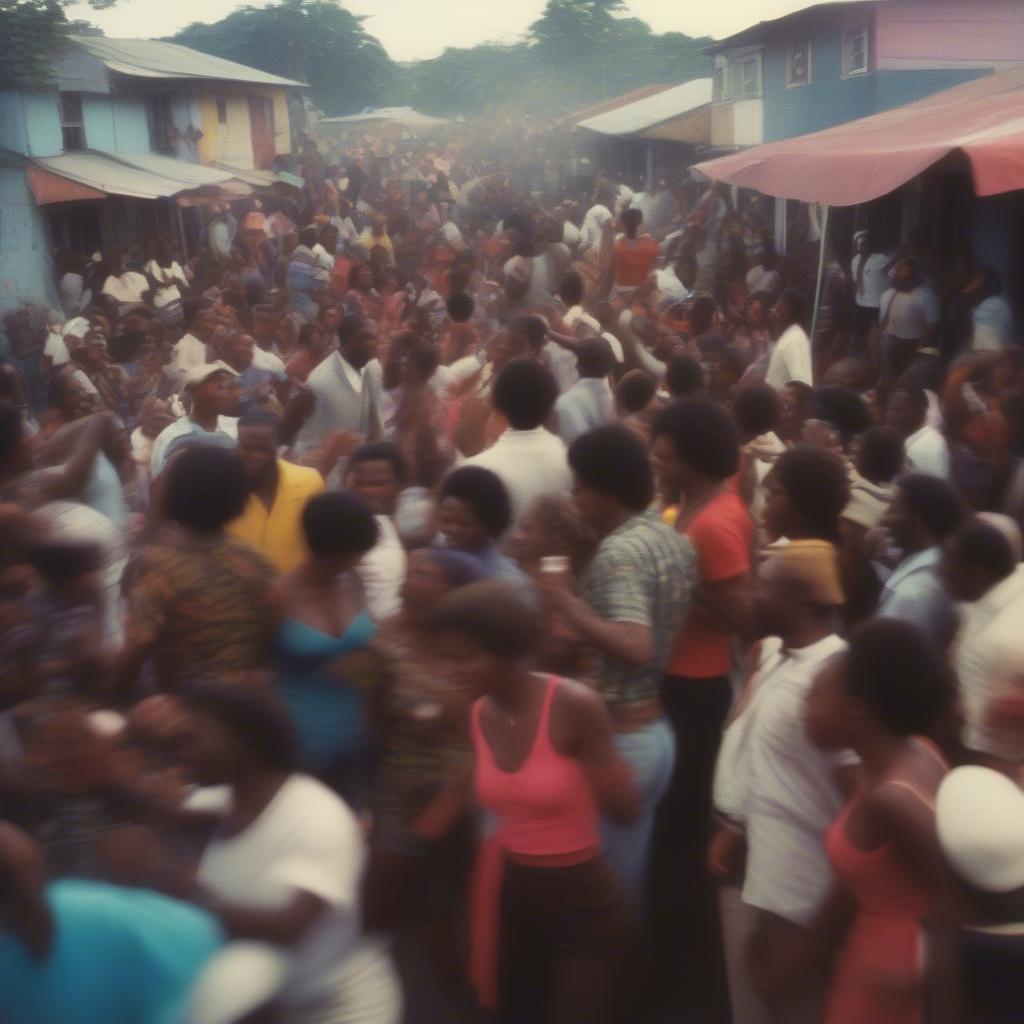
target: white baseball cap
<point>979,817</point>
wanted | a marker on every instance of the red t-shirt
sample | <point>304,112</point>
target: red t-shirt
<point>634,258</point>
<point>722,534</point>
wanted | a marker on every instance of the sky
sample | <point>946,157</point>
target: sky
<point>419,29</point>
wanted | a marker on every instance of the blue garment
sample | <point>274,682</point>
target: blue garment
<point>119,956</point>
<point>650,754</point>
<point>103,491</point>
<point>915,593</point>
<point>330,716</point>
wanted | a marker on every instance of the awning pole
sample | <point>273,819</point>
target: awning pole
<point>650,165</point>
<point>822,252</point>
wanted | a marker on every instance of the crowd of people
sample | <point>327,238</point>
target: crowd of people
<point>435,600</point>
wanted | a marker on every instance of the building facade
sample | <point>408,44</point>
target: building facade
<point>105,158</point>
<point>834,62</point>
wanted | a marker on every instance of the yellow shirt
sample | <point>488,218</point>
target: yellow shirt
<point>277,531</point>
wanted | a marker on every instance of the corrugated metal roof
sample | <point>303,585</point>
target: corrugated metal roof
<point>405,116</point>
<point>148,177</point>
<point>150,58</point>
<point>613,104</point>
<point>654,110</point>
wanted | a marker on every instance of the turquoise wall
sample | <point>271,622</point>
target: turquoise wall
<point>24,245</point>
<point>831,99</point>
<point>116,124</point>
<point>29,123</point>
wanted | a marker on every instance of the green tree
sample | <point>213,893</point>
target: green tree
<point>32,35</point>
<point>573,29</point>
<point>33,38</point>
<point>314,41</point>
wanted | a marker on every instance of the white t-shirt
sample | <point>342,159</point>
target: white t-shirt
<point>189,353</point>
<point>169,278</point>
<point>56,350</point>
<point>128,288</point>
<point>876,280</point>
<point>791,795</point>
<point>927,452</point>
<point>267,361</point>
<point>306,840</point>
<point>382,571</point>
<point>791,359</point>
<point>531,464</point>
<point>592,230</point>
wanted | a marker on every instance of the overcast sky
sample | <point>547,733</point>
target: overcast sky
<point>416,29</point>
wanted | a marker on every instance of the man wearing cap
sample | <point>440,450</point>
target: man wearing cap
<point>774,791</point>
<point>214,402</point>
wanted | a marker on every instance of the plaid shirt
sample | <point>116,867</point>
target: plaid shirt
<point>644,572</point>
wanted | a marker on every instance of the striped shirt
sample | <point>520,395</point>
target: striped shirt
<point>644,573</point>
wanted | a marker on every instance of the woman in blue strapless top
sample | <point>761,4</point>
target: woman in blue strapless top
<point>326,621</point>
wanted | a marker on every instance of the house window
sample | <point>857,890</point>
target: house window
<point>222,108</point>
<point>855,50</point>
<point>798,66</point>
<point>162,134</point>
<point>747,78</point>
<point>71,126</point>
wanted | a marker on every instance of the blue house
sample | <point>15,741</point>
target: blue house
<point>115,154</point>
<point>835,62</point>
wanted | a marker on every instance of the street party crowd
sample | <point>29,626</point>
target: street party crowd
<point>452,593</point>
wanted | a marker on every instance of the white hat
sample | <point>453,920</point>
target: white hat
<point>979,816</point>
<point>202,373</point>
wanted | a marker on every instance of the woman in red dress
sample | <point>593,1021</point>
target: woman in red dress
<point>880,697</point>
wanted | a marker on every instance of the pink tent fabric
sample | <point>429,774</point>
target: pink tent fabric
<point>862,160</point>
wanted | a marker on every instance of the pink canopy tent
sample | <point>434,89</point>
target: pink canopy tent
<point>862,160</point>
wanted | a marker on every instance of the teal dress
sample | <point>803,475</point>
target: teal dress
<point>119,956</point>
<point>330,716</point>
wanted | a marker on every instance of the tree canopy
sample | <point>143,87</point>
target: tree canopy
<point>578,52</point>
<point>315,41</point>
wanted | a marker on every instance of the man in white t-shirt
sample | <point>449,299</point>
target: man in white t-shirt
<point>597,218</point>
<point>870,280</point>
<point>791,355</point>
<point>530,461</point>
<point>125,287</point>
<point>773,787</point>
<point>926,450</point>
<point>377,473</point>
<point>909,317</point>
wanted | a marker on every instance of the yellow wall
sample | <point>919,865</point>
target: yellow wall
<point>231,143</point>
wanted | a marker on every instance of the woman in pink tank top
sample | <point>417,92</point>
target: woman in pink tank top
<point>880,697</point>
<point>545,768</point>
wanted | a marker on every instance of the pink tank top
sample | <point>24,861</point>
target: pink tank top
<point>546,807</point>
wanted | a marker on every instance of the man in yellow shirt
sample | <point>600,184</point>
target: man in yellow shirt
<point>272,519</point>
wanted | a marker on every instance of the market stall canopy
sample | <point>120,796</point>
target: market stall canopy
<point>151,58</point>
<point>137,176</point>
<point>679,114</point>
<point>862,160</point>
<point>403,117</point>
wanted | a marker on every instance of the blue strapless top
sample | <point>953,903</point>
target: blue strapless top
<point>303,649</point>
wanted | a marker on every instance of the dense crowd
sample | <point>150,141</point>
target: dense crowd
<point>442,595</point>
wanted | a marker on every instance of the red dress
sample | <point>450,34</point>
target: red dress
<point>878,976</point>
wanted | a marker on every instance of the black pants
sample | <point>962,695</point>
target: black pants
<point>683,896</point>
<point>564,934</point>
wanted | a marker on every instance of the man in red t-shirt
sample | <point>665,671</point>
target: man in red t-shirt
<point>634,255</point>
<point>697,453</point>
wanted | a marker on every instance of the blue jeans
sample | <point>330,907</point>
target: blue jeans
<point>650,753</point>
